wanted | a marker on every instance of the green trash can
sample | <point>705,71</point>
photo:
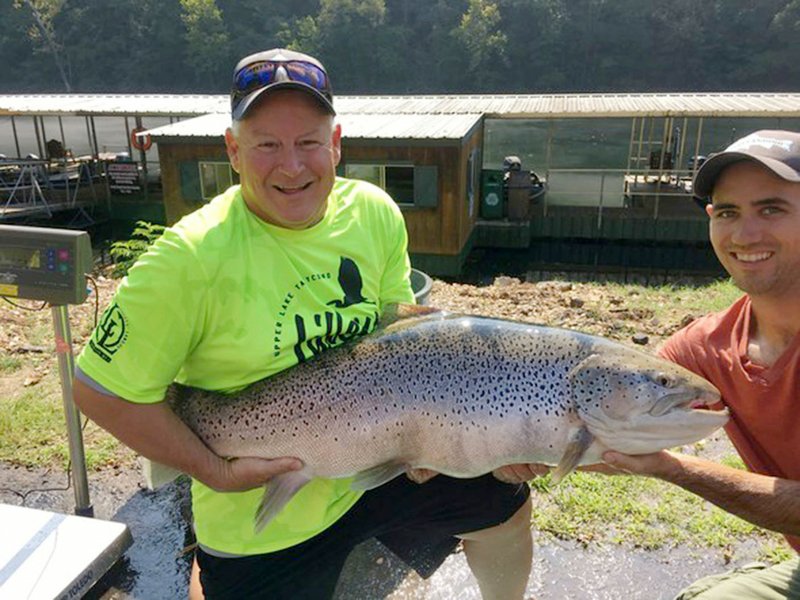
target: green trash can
<point>492,194</point>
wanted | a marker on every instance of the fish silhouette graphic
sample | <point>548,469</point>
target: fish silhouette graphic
<point>350,280</point>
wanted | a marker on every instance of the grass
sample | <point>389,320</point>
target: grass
<point>32,423</point>
<point>691,299</point>
<point>644,513</point>
<point>33,430</point>
<point>9,364</point>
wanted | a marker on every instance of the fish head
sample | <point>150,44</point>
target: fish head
<point>636,403</point>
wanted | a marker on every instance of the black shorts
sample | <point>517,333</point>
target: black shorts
<point>416,522</point>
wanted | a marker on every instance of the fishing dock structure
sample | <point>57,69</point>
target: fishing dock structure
<point>614,171</point>
<point>77,160</point>
<point>33,187</point>
<point>441,157</point>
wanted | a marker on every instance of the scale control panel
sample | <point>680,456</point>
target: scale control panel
<point>41,263</point>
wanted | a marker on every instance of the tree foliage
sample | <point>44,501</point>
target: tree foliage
<point>207,41</point>
<point>125,253</point>
<point>483,41</point>
<point>406,46</point>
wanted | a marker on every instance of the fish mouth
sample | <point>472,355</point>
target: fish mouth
<point>689,400</point>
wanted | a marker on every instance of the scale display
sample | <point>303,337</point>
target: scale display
<point>40,263</point>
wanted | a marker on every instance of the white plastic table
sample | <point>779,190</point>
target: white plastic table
<point>45,555</point>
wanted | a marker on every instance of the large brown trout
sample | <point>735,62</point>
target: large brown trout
<point>461,395</point>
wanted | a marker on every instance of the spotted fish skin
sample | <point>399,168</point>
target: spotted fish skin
<point>458,394</point>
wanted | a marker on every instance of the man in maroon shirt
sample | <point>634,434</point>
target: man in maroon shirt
<point>751,353</point>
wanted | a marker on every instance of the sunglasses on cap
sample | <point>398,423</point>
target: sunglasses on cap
<point>265,73</point>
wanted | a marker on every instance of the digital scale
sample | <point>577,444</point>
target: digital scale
<point>44,554</point>
<point>37,263</point>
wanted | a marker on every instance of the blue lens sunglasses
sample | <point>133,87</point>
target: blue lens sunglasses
<point>262,74</point>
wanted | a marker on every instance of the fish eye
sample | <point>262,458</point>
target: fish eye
<point>663,380</point>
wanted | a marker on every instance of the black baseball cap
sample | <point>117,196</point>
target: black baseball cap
<point>278,69</point>
<point>777,150</point>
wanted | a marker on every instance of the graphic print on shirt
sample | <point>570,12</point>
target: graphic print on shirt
<point>350,280</point>
<point>322,330</point>
<point>110,333</point>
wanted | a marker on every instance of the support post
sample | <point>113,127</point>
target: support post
<point>66,367</point>
<point>16,136</point>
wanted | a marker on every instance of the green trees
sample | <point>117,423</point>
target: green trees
<point>484,44</point>
<point>207,42</point>
<point>406,46</point>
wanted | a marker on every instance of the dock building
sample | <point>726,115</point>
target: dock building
<point>592,172</point>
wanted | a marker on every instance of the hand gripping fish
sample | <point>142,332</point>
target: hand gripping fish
<point>462,395</point>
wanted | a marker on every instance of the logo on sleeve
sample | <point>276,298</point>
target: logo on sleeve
<point>110,334</point>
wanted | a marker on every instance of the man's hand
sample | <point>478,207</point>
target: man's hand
<point>520,473</point>
<point>616,463</point>
<point>657,464</point>
<point>241,474</point>
<point>766,501</point>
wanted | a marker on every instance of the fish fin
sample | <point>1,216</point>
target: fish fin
<point>580,440</point>
<point>277,494</point>
<point>376,476</point>
<point>156,475</point>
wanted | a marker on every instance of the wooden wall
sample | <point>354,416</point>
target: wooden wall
<point>171,155</point>
<point>443,230</point>
<point>447,228</point>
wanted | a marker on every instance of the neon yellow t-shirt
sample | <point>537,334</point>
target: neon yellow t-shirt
<point>224,299</point>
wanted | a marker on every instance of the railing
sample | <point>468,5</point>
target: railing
<point>640,193</point>
<point>32,186</point>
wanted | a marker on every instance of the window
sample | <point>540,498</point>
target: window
<point>397,180</point>
<point>215,178</point>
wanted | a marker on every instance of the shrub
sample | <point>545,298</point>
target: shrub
<point>126,252</point>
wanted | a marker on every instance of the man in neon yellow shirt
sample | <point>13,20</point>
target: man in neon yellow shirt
<point>267,275</point>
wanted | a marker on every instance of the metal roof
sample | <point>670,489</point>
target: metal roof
<point>541,106</point>
<point>354,126</point>
<point>552,106</point>
<point>100,105</point>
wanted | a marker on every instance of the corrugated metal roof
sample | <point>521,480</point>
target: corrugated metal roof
<point>207,126</point>
<point>407,126</point>
<point>493,106</point>
<point>581,105</point>
<point>112,104</point>
<point>354,126</point>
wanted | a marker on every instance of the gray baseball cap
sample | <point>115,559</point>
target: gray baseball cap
<point>278,69</point>
<point>777,150</point>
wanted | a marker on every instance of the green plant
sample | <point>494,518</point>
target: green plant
<point>126,252</point>
<point>9,364</point>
